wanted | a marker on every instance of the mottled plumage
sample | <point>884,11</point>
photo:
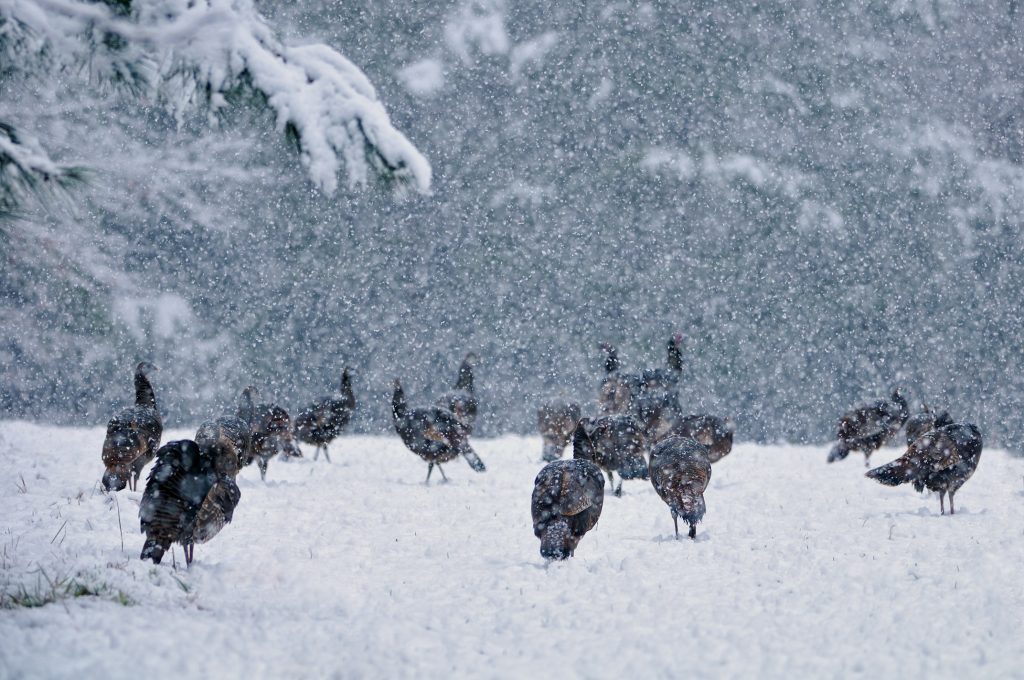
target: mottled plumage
<point>557,421</point>
<point>325,419</point>
<point>925,421</point>
<point>939,460</point>
<point>461,400</point>
<point>869,426</point>
<point>617,388</point>
<point>680,472</point>
<point>432,433</point>
<point>615,444</point>
<point>190,495</point>
<point>230,431</point>
<point>666,379</point>
<point>270,430</point>
<point>133,435</point>
<point>713,432</point>
<point>567,499</point>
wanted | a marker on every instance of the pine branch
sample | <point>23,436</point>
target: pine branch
<point>28,173</point>
<point>209,49</point>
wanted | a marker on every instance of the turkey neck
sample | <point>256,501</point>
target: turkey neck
<point>675,358</point>
<point>611,362</point>
<point>901,401</point>
<point>246,407</point>
<point>346,388</point>
<point>398,406</point>
<point>465,381</point>
<point>144,395</point>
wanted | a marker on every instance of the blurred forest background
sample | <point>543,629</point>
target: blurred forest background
<point>825,198</point>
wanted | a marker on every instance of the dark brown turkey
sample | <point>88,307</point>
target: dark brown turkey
<point>926,421</point>
<point>324,420</point>
<point>229,431</point>
<point>133,435</point>
<point>666,379</point>
<point>461,400</point>
<point>270,430</point>
<point>715,433</point>
<point>870,426</point>
<point>190,495</point>
<point>567,499</point>
<point>617,388</point>
<point>432,433</point>
<point>680,472</point>
<point>556,420</point>
<point>939,460</point>
<point>614,443</point>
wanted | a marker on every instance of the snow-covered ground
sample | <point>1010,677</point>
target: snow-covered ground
<point>356,569</point>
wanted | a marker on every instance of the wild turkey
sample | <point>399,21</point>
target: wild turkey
<point>556,420</point>
<point>461,400</point>
<point>868,427</point>
<point>325,419</point>
<point>658,413</point>
<point>666,379</point>
<point>270,430</point>
<point>939,460</point>
<point>230,431</point>
<point>567,499</point>
<point>680,472</point>
<point>133,435</point>
<point>190,495</point>
<point>432,433</point>
<point>925,421</point>
<point>617,389</point>
<point>615,444</point>
<point>714,433</point>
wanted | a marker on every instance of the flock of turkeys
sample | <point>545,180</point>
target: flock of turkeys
<point>639,431</point>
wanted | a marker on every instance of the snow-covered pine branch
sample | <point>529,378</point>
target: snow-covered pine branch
<point>193,52</point>
<point>26,170</point>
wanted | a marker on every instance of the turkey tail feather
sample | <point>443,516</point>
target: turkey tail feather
<point>472,458</point>
<point>840,451</point>
<point>892,474</point>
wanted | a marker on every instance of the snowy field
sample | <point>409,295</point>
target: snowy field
<point>356,569</point>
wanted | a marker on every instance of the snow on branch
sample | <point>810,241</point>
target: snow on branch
<point>213,47</point>
<point>26,171</point>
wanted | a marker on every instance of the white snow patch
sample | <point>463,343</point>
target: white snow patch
<point>674,161</point>
<point>478,25</point>
<point>166,315</point>
<point>521,192</point>
<point>530,53</point>
<point>423,78</point>
<point>604,89</point>
<point>775,85</point>
<point>801,569</point>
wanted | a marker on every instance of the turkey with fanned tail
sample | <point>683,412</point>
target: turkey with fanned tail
<point>869,426</point>
<point>567,499</point>
<point>556,420</point>
<point>939,460</point>
<point>190,496</point>
<point>461,400</point>
<point>325,419</point>
<point>680,472</point>
<point>432,433</point>
<point>133,435</point>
